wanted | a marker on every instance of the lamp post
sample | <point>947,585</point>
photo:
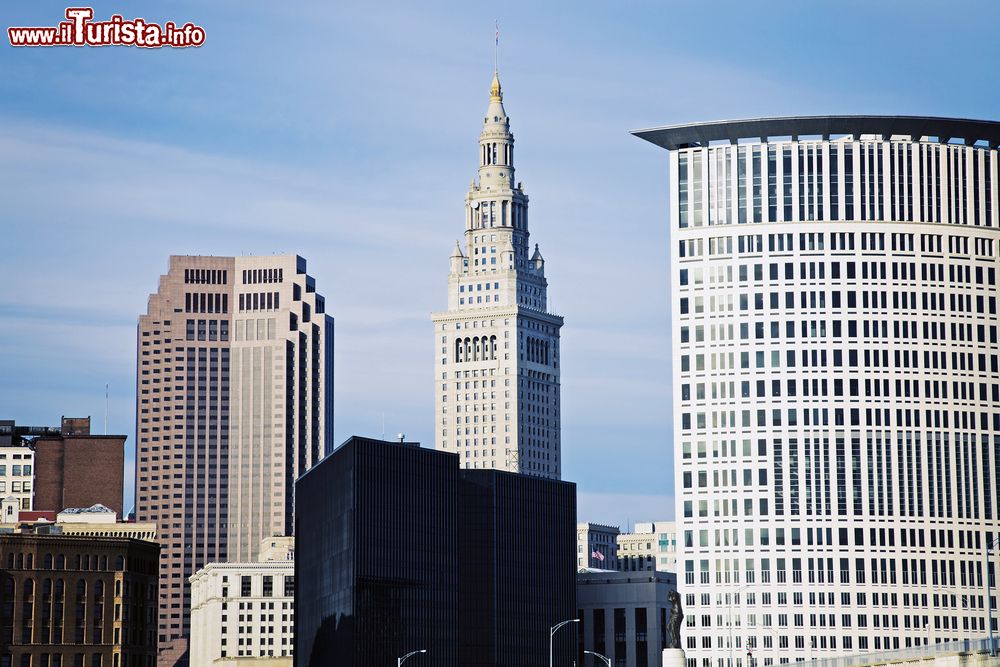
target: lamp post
<point>729,617</point>
<point>552,633</point>
<point>399,661</point>
<point>990,546</point>
<point>605,658</point>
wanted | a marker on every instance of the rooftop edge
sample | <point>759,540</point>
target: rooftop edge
<point>945,130</point>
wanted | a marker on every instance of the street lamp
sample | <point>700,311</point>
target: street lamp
<point>605,658</point>
<point>552,633</point>
<point>990,546</point>
<point>399,661</point>
<point>729,617</point>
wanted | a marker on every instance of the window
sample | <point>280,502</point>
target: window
<point>245,586</point>
<point>268,586</point>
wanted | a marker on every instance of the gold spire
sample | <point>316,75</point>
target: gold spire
<point>496,94</point>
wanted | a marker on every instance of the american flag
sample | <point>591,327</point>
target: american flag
<point>598,555</point>
<point>498,32</point>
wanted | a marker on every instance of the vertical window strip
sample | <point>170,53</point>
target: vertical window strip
<point>975,157</point>
<point>835,153</point>
<point>772,184</point>
<point>741,184</point>
<point>682,189</point>
<point>879,171</point>
<point>787,183</point>
<point>990,157</point>
<point>756,164</point>
<point>818,151</point>
<point>803,203</point>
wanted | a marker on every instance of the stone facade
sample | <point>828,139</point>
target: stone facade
<point>596,538</point>
<point>68,601</point>
<point>243,613</point>
<point>234,401</point>
<point>650,546</point>
<point>497,355</point>
<point>623,616</point>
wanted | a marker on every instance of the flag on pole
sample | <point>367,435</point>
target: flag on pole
<point>598,555</point>
<point>498,33</point>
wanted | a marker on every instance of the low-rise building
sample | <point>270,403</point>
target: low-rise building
<point>76,601</point>
<point>98,520</point>
<point>50,468</point>
<point>651,546</point>
<point>17,461</point>
<point>597,546</point>
<point>244,613</point>
<point>623,615</point>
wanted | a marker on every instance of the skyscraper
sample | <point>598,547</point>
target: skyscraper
<point>497,346</point>
<point>398,549</point>
<point>234,401</point>
<point>836,382</point>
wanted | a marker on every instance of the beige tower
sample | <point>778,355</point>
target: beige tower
<point>234,401</point>
<point>497,346</point>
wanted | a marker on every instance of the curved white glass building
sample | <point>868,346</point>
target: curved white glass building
<point>836,382</point>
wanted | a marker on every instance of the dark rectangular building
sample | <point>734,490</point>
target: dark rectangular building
<point>517,566</point>
<point>375,572</point>
<point>77,601</point>
<point>399,550</point>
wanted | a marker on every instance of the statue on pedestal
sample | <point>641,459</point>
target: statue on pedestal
<point>674,620</point>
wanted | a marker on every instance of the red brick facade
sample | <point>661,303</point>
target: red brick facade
<point>79,471</point>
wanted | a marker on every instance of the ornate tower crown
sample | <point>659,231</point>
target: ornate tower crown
<point>496,143</point>
<point>497,330</point>
<point>496,93</point>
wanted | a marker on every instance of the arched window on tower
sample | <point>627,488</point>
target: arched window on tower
<point>494,153</point>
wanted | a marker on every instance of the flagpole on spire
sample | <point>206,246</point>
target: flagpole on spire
<point>496,48</point>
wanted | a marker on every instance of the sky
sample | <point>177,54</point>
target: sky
<point>347,133</point>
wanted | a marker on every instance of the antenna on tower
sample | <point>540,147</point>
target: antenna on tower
<point>106,388</point>
<point>496,48</point>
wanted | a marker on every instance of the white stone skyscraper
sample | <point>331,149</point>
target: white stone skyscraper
<point>497,346</point>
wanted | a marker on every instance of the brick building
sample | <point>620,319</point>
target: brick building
<point>77,469</point>
<point>77,601</point>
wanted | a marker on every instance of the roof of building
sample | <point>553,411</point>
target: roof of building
<point>594,576</point>
<point>944,130</point>
<point>93,509</point>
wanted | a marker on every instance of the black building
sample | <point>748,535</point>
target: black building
<point>398,550</point>
<point>517,565</point>
<point>375,573</point>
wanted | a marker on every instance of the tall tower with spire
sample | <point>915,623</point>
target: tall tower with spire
<point>496,382</point>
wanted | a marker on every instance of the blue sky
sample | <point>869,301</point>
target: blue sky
<point>346,132</point>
